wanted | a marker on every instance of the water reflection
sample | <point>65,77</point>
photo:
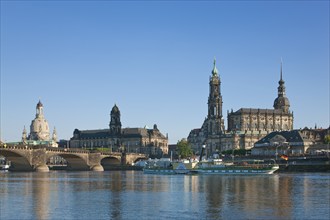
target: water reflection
<point>133,195</point>
<point>41,195</point>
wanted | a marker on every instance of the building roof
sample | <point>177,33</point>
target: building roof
<point>291,137</point>
<point>88,134</point>
<point>215,70</point>
<point>257,111</point>
<point>134,132</point>
<point>141,132</point>
<point>115,109</point>
<point>39,104</point>
<point>125,132</point>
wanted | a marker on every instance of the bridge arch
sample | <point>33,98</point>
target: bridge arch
<point>139,158</point>
<point>74,162</point>
<point>133,158</point>
<point>19,161</point>
<point>109,163</point>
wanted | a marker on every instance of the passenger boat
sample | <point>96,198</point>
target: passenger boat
<point>174,168</point>
<point>217,166</point>
<point>184,167</point>
<point>169,167</point>
<point>4,165</point>
<point>158,170</point>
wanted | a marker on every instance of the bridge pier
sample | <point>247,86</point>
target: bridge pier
<point>98,168</point>
<point>42,168</point>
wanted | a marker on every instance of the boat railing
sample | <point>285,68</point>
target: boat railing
<point>261,165</point>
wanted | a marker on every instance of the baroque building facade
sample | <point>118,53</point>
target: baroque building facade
<point>294,142</point>
<point>116,138</point>
<point>39,130</point>
<point>245,126</point>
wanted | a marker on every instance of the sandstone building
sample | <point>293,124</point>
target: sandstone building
<point>294,142</point>
<point>39,130</point>
<point>116,138</point>
<point>245,126</point>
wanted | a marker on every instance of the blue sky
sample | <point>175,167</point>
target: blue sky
<point>154,59</point>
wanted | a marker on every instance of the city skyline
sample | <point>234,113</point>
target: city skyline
<point>154,59</point>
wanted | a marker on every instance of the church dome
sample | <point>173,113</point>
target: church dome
<point>282,103</point>
<point>39,129</point>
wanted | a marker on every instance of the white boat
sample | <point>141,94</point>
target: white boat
<point>180,167</point>
<point>158,170</point>
<point>4,165</point>
<point>217,166</point>
<point>183,167</point>
<point>155,166</point>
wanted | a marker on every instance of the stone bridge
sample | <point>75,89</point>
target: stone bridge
<point>34,158</point>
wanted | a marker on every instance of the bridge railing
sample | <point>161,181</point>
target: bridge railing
<point>25,147</point>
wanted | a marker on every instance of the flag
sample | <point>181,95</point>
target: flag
<point>285,157</point>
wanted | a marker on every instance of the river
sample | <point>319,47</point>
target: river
<point>134,195</point>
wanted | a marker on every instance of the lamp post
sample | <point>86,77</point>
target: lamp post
<point>287,150</point>
<point>234,143</point>
<point>276,145</point>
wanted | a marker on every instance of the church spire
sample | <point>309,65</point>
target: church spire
<point>24,135</point>
<point>54,136</point>
<point>281,102</point>
<point>215,70</point>
<point>281,87</point>
<point>281,82</point>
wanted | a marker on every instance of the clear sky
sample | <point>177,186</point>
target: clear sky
<point>154,59</point>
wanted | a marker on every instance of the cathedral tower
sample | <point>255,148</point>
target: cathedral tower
<point>214,124</point>
<point>281,102</point>
<point>115,124</point>
<point>215,98</point>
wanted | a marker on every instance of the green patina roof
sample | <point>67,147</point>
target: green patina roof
<point>215,70</point>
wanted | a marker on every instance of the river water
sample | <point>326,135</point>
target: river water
<point>134,195</point>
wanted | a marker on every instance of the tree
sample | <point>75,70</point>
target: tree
<point>327,139</point>
<point>183,148</point>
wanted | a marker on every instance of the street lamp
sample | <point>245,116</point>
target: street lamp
<point>276,146</point>
<point>234,143</point>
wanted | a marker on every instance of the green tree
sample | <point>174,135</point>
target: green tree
<point>327,139</point>
<point>183,148</point>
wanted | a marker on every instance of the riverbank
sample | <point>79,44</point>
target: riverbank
<point>293,164</point>
<point>298,164</point>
